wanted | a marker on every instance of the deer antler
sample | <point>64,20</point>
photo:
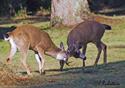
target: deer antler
<point>67,63</point>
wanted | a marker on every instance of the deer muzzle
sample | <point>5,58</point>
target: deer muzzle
<point>82,56</point>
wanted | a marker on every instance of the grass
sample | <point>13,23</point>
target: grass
<point>110,76</point>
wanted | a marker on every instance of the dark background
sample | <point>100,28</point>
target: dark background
<point>12,7</point>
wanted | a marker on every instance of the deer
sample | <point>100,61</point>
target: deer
<point>29,37</point>
<point>84,33</point>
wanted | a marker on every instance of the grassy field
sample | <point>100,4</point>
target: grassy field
<point>110,76</point>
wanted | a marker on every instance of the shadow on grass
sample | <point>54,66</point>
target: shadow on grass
<point>117,46</point>
<point>114,66</point>
<point>110,75</point>
<point>89,69</point>
<point>31,18</point>
<point>92,77</point>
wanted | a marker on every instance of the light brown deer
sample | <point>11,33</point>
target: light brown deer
<point>84,33</point>
<point>29,37</point>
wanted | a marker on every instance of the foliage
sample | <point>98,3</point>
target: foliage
<point>11,7</point>
<point>96,5</point>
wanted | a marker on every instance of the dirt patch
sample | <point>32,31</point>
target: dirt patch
<point>9,78</point>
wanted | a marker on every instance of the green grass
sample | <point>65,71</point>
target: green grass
<point>110,76</point>
<point>120,27</point>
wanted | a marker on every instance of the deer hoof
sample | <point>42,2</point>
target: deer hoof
<point>7,60</point>
<point>43,73</point>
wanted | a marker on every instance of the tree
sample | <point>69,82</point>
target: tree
<point>69,12</point>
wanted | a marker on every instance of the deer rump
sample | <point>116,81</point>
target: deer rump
<point>28,36</point>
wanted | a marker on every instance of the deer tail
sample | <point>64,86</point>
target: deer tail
<point>7,35</point>
<point>107,27</point>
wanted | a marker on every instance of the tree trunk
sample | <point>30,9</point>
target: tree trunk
<point>69,12</point>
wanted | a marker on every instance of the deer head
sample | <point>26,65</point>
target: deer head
<point>74,51</point>
<point>62,55</point>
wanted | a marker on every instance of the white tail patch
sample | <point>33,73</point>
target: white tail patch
<point>6,39</point>
<point>13,47</point>
<point>60,57</point>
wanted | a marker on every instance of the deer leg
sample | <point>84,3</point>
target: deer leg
<point>104,47</point>
<point>84,51</point>
<point>12,51</point>
<point>99,52</point>
<point>38,60</point>
<point>23,60</point>
<point>61,64</point>
<point>42,56</point>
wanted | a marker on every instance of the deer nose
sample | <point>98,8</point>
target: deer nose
<point>82,56</point>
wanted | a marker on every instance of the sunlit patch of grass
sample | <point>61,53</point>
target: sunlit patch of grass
<point>120,27</point>
<point>25,22</point>
<point>44,27</point>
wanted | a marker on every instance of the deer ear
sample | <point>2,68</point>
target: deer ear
<point>61,46</point>
<point>75,48</point>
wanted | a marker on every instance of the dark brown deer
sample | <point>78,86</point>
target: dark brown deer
<point>84,33</point>
<point>29,37</point>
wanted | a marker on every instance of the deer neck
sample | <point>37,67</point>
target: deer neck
<point>53,51</point>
